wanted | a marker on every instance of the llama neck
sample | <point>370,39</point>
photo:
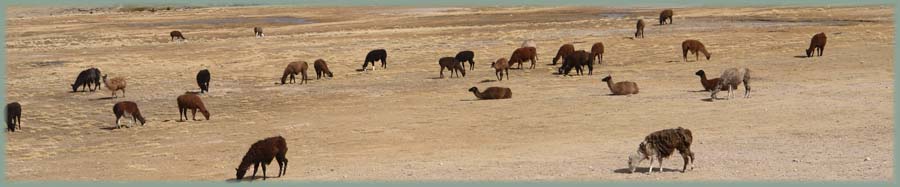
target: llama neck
<point>703,78</point>
<point>610,84</point>
<point>246,161</point>
<point>477,94</point>
<point>703,50</point>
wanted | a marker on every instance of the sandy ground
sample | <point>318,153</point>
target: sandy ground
<point>822,118</point>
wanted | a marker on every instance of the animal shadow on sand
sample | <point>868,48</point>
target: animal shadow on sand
<point>249,178</point>
<point>644,170</point>
<point>487,80</point>
<point>103,98</point>
<point>800,56</point>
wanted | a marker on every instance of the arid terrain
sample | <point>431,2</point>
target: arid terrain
<point>822,118</point>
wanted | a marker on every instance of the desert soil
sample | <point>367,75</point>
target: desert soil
<point>822,118</point>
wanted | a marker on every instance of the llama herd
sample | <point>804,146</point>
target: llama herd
<point>656,146</point>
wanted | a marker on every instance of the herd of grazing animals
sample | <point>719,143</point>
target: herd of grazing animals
<point>656,146</point>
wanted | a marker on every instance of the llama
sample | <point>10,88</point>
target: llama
<point>564,50</point>
<point>597,52</point>
<point>293,69</point>
<point>193,102</point>
<point>694,47</point>
<point>177,35</point>
<point>89,78</point>
<point>258,32</point>
<point>376,55</point>
<point>13,116</point>
<point>577,60</point>
<point>466,56</point>
<point>640,29</point>
<point>452,65</point>
<point>708,84</point>
<point>492,93</point>
<point>662,144</point>
<point>665,15</point>
<point>127,108</point>
<point>817,43</point>
<point>261,153</point>
<point>500,66</point>
<point>621,88</point>
<point>115,84</point>
<point>322,69</point>
<point>203,80</point>
<point>731,79</point>
<point>520,55</point>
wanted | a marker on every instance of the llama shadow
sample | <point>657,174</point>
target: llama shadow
<point>487,80</point>
<point>695,91</point>
<point>674,61</point>
<point>469,100</point>
<point>632,38</point>
<point>643,170</point>
<point>709,99</point>
<point>109,128</point>
<point>800,56</point>
<point>103,98</point>
<point>191,92</point>
<point>246,179</point>
<point>435,78</point>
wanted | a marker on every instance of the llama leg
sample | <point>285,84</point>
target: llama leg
<point>193,114</point>
<point>651,166</point>
<point>285,165</point>
<point>264,170</point>
<point>660,165</point>
<point>255,167</point>
<point>684,156</point>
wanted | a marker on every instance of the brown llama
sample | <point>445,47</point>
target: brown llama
<point>375,55</point>
<point>258,31</point>
<point>492,93</point>
<point>293,69</point>
<point>176,35</point>
<point>708,84</point>
<point>662,144</point>
<point>695,47</point>
<point>115,84</point>
<point>500,66</point>
<point>193,102</point>
<point>520,55</point>
<point>621,88</point>
<point>597,53</point>
<point>564,50</point>
<point>640,29</point>
<point>322,69</point>
<point>262,153</point>
<point>466,56</point>
<point>817,43</point>
<point>452,65</point>
<point>665,15</point>
<point>130,109</point>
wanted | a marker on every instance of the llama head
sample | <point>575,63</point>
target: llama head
<point>239,173</point>
<point>607,78</point>
<point>205,114</point>
<point>329,74</point>
<point>463,71</point>
<point>473,89</point>
<point>633,161</point>
<point>74,88</point>
<point>808,53</point>
<point>708,55</point>
<point>700,73</point>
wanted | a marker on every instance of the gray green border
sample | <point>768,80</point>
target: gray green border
<point>611,3</point>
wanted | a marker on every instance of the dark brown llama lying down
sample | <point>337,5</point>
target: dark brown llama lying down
<point>193,102</point>
<point>451,64</point>
<point>127,108</point>
<point>731,79</point>
<point>665,15</point>
<point>501,66</point>
<point>89,78</point>
<point>258,31</point>
<point>564,50</point>
<point>293,69</point>
<point>817,43</point>
<point>662,144</point>
<point>621,88</point>
<point>694,47</point>
<point>375,55</point>
<point>492,93</point>
<point>203,80</point>
<point>708,84</point>
<point>262,153</point>
<point>640,29</point>
<point>597,53</point>
<point>521,55</point>
<point>176,35</point>
<point>322,69</point>
<point>13,116</point>
<point>466,56</point>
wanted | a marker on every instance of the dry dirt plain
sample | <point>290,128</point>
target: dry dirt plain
<point>822,118</point>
